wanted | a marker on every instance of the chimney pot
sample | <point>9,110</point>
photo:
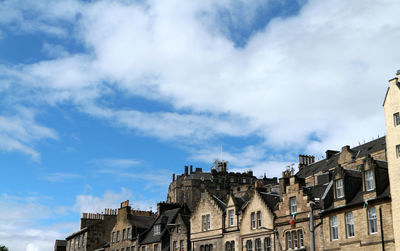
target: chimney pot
<point>173,177</point>
<point>186,170</point>
<point>191,169</point>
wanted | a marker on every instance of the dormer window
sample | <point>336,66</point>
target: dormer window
<point>339,189</point>
<point>369,180</point>
<point>396,119</point>
<point>231,218</point>
<point>157,229</point>
<point>293,205</point>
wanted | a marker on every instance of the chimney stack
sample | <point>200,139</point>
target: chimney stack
<point>305,160</point>
<point>191,169</point>
<point>186,170</point>
<point>173,177</point>
<point>330,153</point>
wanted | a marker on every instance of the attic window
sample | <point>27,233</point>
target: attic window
<point>157,229</point>
<point>369,181</point>
<point>396,119</point>
<point>339,189</point>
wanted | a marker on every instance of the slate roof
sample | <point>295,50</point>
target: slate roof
<point>239,203</point>
<point>167,217</point>
<point>219,202</point>
<point>270,199</point>
<point>326,164</point>
<point>141,221</point>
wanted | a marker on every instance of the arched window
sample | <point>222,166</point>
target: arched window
<point>249,245</point>
<point>201,248</point>
<point>228,246</point>
<point>233,245</point>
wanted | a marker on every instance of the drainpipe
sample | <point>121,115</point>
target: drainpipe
<point>312,240</point>
<point>382,239</point>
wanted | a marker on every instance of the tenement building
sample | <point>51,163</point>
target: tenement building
<point>350,200</point>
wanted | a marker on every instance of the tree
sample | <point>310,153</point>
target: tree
<point>3,248</point>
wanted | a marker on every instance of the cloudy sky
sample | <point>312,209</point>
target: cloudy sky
<point>101,101</point>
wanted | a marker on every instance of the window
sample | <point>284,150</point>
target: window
<point>133,248</point>
<point>334,228</point>
<point>117,236</point>
<point>123,234</point>
<point>181,245</point>
<point>228,246</point>
<point>288,240</point>
<point>267,244</point>
<point>396,118</point>
<point>258,245</point>
<point>156,247</point>
<point>244,181</point>
<point>157,229</point>
<point>369,180</point>
<point>122,249</point>
<point>178,228</point>
<point>293,205</point>
<point>113,237</point>
<point>144,248</point>
<point>294,239</point>
<point>175,246</point>
<point>79,241</point>
<point>253,220</point>
<point>398,151</point>
<point>249,245</point>
<point>233,245</point>
<point>128,249</point>
<point>349,225</point>
<point>339,189</point>
<point>372,225</point>
<point>206,222</point>
<point>129,234</point>
<point>231,218</point>
<point>259,219</point>
<point>300,234</point>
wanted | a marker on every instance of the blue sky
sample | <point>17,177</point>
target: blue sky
<point>101,101</point>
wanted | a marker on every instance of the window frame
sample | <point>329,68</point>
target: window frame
<point>396,119</point>
<point>293,206</point>
<point>339,189</point>
<point>289,240</point>
<point>231,218</point>
<point>249,245</point>
<point>334,228</point>
<point>157,229</point>
<point>398,151</point>
<point>258,244</point>
<point>372,220</point>
<point>259,219</point>
<point>267,243</point>
<point>349,221</point>
<point>369,179</point>
<point>253,220</point>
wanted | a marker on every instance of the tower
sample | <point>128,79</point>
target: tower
<point>391,106</point>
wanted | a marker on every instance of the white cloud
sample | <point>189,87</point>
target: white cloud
<point>20,228</point>
<point>310,81</point>
<point>19,132</point>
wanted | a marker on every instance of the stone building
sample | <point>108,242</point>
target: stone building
<point>391,106</point>
<point>128,226</point>
<point>180,232</point>
<point>160,234</point>
<point>94,231</point>
<point>257,221</point>
<point>187,188</point>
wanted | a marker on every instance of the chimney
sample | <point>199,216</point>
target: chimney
<point>398,73</point>
<point>330,153</point>
<point>191,169</point>
<point>186,170</point>
<point>198,169</point>
<point>305,160</point>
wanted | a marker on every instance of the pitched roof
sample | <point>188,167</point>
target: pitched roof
<point>270,199</point>
<point>141,221</point>
<point>166,218</point>
<point>326,164</point>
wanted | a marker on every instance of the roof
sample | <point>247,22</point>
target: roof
<point>61,243</point>
<point>167,217</point>
<point>270,199</point>
<point>219,202</point>
<point>141,221</point>
<point>326,164</point>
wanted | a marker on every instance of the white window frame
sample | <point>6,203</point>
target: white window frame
<point>157,229</point>
<point>369,180</point>
<point>267,243</point>
<point>334,228</point>
<point>293,205</point>
<point>231,218</point>
<point>253,220</point>
<point>288,240</point>
<point>349,224</point>
<point>208,222</point>
<point>339,188</point>
<point>258,245</point>
<point>300,235</point>
<point>396,119</point>
<point>259,219</point>
<point>372,221</point>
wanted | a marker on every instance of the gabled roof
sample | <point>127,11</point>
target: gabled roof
<point>166,218</point>
<point>270,199</point>
<point>219,202</point>
<point>326,164</point>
